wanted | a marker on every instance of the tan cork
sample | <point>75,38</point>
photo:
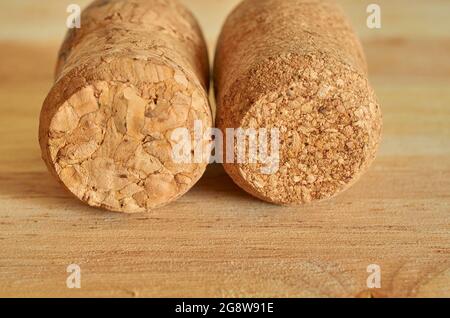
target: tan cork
<point>134,72</point>
<point>297,66</point>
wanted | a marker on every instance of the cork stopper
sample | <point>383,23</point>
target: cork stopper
<point>296,66</point>
<point>134,73</point>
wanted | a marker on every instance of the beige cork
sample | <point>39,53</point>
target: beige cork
<point>297,66</point>
<point>133,73</point>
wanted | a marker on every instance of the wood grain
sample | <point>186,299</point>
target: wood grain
<point>217,240</point>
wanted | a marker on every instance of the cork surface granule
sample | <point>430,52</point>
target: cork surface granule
<point>297,66</point>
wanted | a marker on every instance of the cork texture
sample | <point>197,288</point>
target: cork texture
<point>297,66</point>
<point>134,72</point>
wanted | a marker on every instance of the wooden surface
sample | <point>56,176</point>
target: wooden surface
<point>217,240</point>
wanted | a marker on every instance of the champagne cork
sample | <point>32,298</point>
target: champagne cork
<point>134,72</point>
<point>296,66</point>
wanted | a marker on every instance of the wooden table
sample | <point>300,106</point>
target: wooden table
<point>217,240</point>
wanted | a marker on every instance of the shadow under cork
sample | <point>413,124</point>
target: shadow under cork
<point>38,190</point>
<point>215,184</point>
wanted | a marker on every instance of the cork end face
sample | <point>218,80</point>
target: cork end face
<point>110,143</point>
<point>329,126</point>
